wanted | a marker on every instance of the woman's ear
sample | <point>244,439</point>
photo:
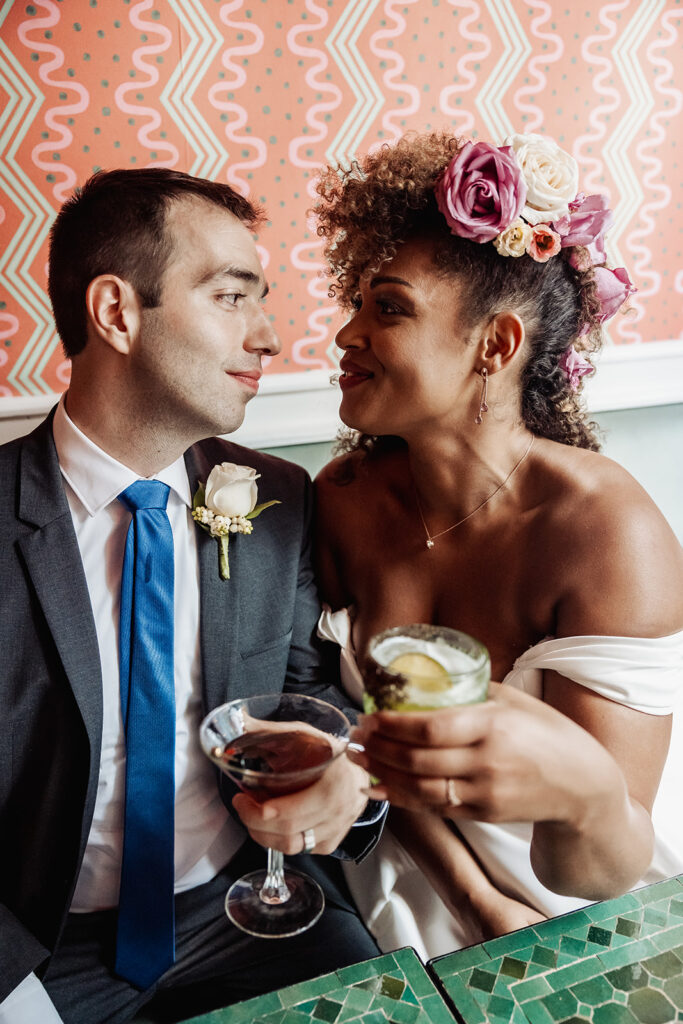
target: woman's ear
<point>113,310</point>
<point>502,341</point>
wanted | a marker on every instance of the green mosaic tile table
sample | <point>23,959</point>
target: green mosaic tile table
<point>617,962</point>
<point>391,989</point>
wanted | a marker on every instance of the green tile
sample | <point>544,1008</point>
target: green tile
<point>500,1008</point>
<point>627,927</point>
<point>482,980</point>
<point>326,1010</point>
<point>544,956</point>
<point>673,987</point>
<point>651,1007</point>
<point>593,991</point>
<point>464,1000</point>
<point>437,1012</point>
<point>676,907</point>
<point>656,916</point>
<point>653,893</point>
<point>567,924</point>
<point>670,938</point>
<point>512,967</point>
<point>537,1013</point>
<point>613,1014</point>
<point>453,963</point>
<point>664,965</point>
<point>601,936</point>
<point>635,951</point>
<point>511,943</point>
<point>305,990</point>
<point>531,988</point>
<point>574,973</point>
<point>628,977</point>
<point>361,972</point>
<point>392,986</point>
<point>573,947</point>
<point>560,1005</point>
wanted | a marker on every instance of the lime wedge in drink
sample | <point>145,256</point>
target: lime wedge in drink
<point>422,668</point>
<point>425,673</point>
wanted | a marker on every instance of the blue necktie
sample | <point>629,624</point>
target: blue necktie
<point>145,941</point>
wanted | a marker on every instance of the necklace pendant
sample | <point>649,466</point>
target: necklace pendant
<point>430,542</point>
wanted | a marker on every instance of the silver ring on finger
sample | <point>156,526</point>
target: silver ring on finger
<point>309,840</point>
<point>452,798</point>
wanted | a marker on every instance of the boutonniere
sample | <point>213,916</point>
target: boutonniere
<point>226,504</point>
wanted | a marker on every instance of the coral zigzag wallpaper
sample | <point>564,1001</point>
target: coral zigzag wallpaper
<point>260,93</point>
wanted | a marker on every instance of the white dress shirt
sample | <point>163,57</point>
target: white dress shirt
<point>206,835</point>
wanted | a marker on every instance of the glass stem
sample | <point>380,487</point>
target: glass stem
<point>275,888</point>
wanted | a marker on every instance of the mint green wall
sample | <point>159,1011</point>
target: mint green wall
<point>647,442</point>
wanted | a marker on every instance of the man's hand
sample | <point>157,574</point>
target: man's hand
<point>329,807</point>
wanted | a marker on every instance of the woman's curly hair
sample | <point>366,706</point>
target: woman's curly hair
<point>366,211</point>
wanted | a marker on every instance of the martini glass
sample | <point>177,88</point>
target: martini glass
<point>270,746</point>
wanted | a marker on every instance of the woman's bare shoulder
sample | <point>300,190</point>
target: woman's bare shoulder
<point>619,561</point>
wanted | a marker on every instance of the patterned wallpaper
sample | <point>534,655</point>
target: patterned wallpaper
<point>259,93</point>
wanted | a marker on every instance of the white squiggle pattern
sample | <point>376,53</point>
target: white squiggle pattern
<point>592,166</point>
<point>649,280</point>
<point>316,83</point>
<point>240,115</point>
<point>538,80</point>
<point>11,328</point>
<point>6,332</point>
<point>144,133</point>
<point>317,285</point>
<point>467,80</point>
<point>391,77</point>
<point>64,134</point>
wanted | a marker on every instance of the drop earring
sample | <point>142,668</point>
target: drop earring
<point>483,407</point>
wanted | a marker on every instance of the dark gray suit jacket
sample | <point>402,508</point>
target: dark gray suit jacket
<point>257,635</point>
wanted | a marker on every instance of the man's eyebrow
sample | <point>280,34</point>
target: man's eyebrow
<point>376,281</point>
<point>239,273</point>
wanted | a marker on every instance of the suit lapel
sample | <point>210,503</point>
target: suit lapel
<point>54,563</point>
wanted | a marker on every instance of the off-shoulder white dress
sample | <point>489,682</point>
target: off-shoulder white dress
<point>396,901</point>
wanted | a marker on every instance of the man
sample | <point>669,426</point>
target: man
<point>156,288</point>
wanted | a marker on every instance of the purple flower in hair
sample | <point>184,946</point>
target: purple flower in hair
<point>574,366</point>
<point>613,288</point>
<point>588,222</point>
<point>481,191</point>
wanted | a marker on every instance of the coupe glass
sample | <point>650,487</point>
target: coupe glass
<point>424,668</point>
<point>269,746</point>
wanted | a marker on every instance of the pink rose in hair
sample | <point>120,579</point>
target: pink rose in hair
<point>481,191</point>
<point>588,222</point>
<point>613,288</point>
<point>544,243</point>
<point>574,366</point>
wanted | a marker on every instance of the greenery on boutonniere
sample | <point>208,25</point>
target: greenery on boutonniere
<point>226,504</point>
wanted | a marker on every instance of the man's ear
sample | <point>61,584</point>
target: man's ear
<point>502,340</point>
<point>113,308</point>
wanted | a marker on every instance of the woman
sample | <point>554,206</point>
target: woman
<point>473,496</point>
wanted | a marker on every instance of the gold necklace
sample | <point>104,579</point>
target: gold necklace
<point>432,537</point>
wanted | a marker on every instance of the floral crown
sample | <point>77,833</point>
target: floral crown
<point>523,196</point>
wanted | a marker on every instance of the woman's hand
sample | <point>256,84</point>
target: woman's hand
<point>513,758</point>
<point>517,759</point>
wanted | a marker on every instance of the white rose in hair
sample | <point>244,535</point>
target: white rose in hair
<point>551,176</point>
<point>514,240</point>
<point>231,490</point>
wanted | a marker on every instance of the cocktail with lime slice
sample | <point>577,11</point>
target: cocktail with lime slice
<point>423,668</point>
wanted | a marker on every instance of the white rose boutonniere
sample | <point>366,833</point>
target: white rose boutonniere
<point>226,504</point>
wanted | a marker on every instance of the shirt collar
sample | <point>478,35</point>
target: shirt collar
<point>94,476</point>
